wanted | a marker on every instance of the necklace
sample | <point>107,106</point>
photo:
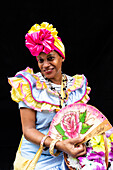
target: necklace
<point>64,80</point>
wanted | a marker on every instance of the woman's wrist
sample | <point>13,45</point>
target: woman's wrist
<point>48,141</point>
<point>52,147</point>
<point>58,145</point>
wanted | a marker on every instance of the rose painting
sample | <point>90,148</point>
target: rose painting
<point>72,124</point>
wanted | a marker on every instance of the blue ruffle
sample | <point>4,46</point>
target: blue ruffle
<point>40,95</point>
<point>43,96</point>
<point>77,95</point>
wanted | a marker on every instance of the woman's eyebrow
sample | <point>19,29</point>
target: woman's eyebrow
<point>50,55</point>
<point>39,57</point>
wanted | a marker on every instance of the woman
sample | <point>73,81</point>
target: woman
<point>39,97</point>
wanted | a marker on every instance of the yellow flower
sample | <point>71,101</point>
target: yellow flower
<point>44,25</point>
<point>111,137</point>
<point>34,28</point>
<point>98,143</point>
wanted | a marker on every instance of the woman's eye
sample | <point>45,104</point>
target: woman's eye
<point>50,58</point>
<point>40,60</point>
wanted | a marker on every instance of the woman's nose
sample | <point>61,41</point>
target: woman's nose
<point>46,64</point>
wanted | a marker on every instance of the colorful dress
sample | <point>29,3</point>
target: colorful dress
<point>32,91</point>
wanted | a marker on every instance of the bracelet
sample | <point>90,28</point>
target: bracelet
<point>42,142</point>
<point>51,148</point>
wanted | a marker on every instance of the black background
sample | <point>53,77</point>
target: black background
<point>86,29</point>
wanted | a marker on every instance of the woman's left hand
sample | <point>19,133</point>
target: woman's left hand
<point>72,147</point>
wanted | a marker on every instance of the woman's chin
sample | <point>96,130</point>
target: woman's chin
<point>49,76</point>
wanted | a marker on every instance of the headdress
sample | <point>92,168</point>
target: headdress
<point>43,38</point>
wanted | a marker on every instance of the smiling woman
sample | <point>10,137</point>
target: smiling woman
<point>51,66</point>
<point>39,96</point>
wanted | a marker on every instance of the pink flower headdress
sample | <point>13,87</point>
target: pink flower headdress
<point>43,38</point>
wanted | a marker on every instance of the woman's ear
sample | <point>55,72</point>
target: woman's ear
<point>62,59</point>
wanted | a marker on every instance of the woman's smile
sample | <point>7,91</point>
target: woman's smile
<point>51,65</point>
<point>48,71</point>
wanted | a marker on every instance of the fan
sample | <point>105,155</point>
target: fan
<point>78,120</point>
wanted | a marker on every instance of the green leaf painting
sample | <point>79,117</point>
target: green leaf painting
<point>85,128</point>
<point>61,131</point>
<point>64,138</point>
<point>82,117</point>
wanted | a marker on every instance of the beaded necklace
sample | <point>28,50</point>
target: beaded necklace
<point>64,80</point>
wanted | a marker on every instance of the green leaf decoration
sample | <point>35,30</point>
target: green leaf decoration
<point>61,131</point>
<point>85,128</point>
<point>82,117</point>
<point>64,138</point>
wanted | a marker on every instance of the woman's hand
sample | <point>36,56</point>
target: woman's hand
<point>68,146</point>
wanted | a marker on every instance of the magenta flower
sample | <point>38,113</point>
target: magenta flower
<point>97,157</point>
<point>99,167</point>
<point>41,41</point>
<point>89,150</point>
<point>109,132</point>
<point>96,160</point>
<point>91,165</point>
<point>111,154</point>
<point>71,125</point>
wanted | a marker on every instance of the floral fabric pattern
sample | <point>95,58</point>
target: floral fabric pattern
<point>95,154</point>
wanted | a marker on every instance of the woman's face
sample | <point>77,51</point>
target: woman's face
<point>51,66</point>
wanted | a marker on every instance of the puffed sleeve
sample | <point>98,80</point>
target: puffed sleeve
<point>79,90</point>
<point>21,104</point>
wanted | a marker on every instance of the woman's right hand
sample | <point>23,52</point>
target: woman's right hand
<point>68,146</point>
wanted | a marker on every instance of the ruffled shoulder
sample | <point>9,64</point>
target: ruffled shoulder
<point>33,90</point>
<point>78,91</point>
<point>27,87</point>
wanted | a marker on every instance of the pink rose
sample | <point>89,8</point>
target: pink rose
<point>71,125</point>
<point>41,41</point>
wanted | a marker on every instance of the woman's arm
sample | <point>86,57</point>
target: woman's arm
<point>28,118</point>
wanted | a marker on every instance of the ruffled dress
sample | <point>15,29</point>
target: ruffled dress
<point>32,91</point>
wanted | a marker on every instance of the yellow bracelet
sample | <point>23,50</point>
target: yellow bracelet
<point>51,148</point>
